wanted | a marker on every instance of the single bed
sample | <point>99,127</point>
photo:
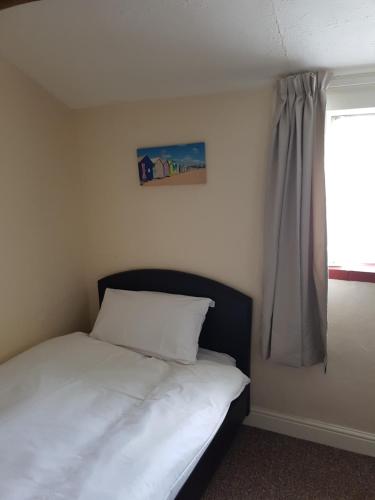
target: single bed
<point>227,329</point>
<point>82,418</point>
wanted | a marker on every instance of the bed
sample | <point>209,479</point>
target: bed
<point>64,406</point>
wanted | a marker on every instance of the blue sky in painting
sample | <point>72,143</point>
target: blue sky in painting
<point>185,154</point>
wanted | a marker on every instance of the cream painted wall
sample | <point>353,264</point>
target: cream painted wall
<point>213,229</point>
<point>216,230</point>
<point>42,292</point>
<point>345,394</point>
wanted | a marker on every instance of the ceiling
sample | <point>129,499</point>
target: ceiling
<point>92,52</point>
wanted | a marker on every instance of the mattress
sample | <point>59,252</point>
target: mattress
<point>81,418</point>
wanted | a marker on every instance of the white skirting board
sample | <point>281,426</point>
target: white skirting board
<point>313,430</point>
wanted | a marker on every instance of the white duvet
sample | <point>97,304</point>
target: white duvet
<point>83,419</point>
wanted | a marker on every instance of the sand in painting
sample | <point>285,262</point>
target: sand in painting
<point>196,176</point>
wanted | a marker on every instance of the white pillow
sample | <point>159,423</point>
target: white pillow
<point>157,324</point>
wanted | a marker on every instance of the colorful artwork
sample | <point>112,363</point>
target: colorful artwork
<point>172,165</point>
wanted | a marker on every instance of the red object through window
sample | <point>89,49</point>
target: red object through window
<point>364,273</point>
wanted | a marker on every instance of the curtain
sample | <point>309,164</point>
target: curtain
<point>294,318</point>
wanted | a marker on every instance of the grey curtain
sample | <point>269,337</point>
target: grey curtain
<point>294,320</point>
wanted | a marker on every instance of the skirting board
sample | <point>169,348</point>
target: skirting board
<point>344,438</point>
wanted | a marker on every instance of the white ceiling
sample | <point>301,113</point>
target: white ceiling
<point>91,52</point>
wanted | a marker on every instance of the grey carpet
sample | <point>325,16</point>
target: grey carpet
<point>262,465</point>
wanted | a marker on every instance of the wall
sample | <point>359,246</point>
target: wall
<point>41,290</point>
<point>213,229</point>
<point>216,230</point>
<point>345,394</point>
<point>351,96</point>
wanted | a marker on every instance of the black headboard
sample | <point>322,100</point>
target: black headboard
<point>227,327</point>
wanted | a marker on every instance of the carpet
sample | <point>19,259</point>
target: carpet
<point>263,465</point>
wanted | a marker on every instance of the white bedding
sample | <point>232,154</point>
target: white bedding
<point>83,419</point>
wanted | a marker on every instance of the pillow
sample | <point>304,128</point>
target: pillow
<point>163,325</point>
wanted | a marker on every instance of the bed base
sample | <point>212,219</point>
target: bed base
<point>199,479</point>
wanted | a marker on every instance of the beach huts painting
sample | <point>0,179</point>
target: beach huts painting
<point>172,165</point>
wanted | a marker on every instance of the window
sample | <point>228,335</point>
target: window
<point>350,179</point>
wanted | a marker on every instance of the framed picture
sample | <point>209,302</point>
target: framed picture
<point>172,165</point>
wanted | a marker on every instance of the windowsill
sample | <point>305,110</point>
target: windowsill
<point>364,273</point>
